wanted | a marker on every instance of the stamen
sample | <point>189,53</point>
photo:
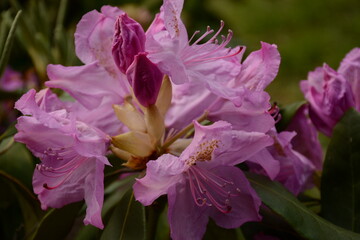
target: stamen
<point>195,55</point>
<point>210,189</point>
<point>208,31</point>
<point>56,157</point>
<point>63,180</point>
<point>195,33</point>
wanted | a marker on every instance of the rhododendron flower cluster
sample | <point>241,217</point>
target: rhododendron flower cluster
<point>331,93</point>
<point>185,112</point>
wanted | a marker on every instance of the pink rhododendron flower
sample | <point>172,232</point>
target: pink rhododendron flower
<point>93,41</point>
<point>72,154</point>
<point>350,69</point>
<point>11,80</point>
<point>331,93</point>
<point>169,47</point>
<point>306,140</point>
<point>203,182</point>
<point>295,169</point>
<point>250,103</point>
<point>98,84</point>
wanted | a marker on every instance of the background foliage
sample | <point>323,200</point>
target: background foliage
<point>307,32</point>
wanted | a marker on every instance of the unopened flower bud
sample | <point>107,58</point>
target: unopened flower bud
<point>163,101</point>
<point>129,40</point>
<point>145,78</point>
<point>130,117</point>
<point>137,143</point>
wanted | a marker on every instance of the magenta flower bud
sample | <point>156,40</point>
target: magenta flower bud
<point>145,78</point>
<point>330,96</point>
<point>129,40</point>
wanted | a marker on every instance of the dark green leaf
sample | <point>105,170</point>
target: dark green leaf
<point>113,195</point>
<point>340,184</point>
<point>287,113</point>
<point>127,220</point>
<point>30,208</point>
<point>6,144</point>
<point>18,162</point>
<point>57,223</point>
<point>214,232</point>
<point>9,131</point>
<point>304,221</point>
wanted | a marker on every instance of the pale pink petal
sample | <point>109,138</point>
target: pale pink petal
<point>186,219</point>
<point>94,34</point>
<point>172,21</point>
<point>229,147</point>
<point>160,176</point>
<point>191,100</point>
<point>350,69</point>
<point>329,95</point>
<point>260,67</point>
<point>94,195</point>
<point>251,115</point>
<point>266,161</point>
<point>89,84</point>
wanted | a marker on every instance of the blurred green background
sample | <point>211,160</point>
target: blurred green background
<point>307,32</point>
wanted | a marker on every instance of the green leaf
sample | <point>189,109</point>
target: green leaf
<point>57,223</point>
<point>18,162</point>
<point>9,131</point>
<point>304,221</point>
<point>8,44</point>
<point>340,184</point>
<point>30,208</point>
<point>214,232</point>
<point>113,195</point>
<point>127,220</point>
<point>287,113</point>
<point>6,144</point>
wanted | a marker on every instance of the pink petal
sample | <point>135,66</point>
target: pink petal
<point>267,162</point>
<point>244,206</point>
<point>89,84</point>
<point>350,69</point>
<point>94,195</point>
<point>306,140</point>
<point>160,176</point>
<point>94,34</point>
<point>186,219</point>
<point>251,115</point>
<point>260,67</point>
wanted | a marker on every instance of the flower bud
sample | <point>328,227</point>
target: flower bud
<point>136,143</point>
<point>145,78</point>
<point>329,95</point>
<point>129,40</point>
<point>163,101</point>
